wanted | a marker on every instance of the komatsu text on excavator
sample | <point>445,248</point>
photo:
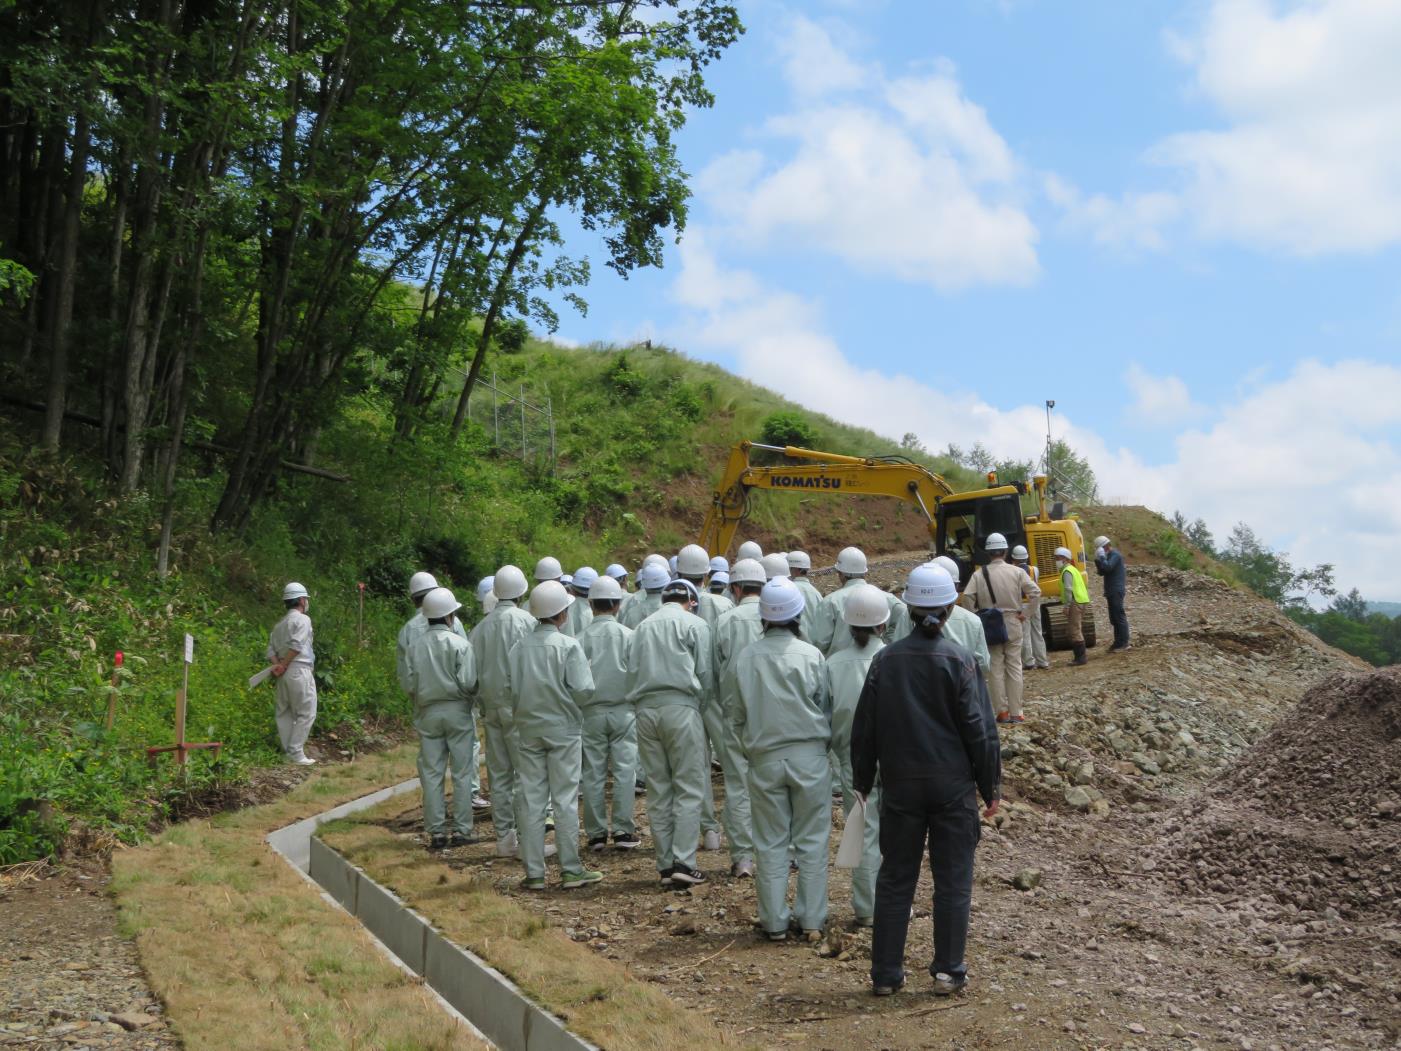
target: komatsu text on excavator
<point>959,523</point>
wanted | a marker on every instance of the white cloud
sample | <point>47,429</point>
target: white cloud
<point>1158,400</point>
<point>1310,159</point>
<point>1131,221</point>
<point>906,178</point>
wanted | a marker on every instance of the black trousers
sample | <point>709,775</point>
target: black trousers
<point>1119,619</point>
<point>911,813</point>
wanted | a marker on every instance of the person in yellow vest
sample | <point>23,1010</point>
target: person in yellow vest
<point>1076,596</point>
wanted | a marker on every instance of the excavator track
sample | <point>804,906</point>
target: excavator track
<point>1053,626</point>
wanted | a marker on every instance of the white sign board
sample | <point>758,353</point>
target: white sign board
<point>189,649</point>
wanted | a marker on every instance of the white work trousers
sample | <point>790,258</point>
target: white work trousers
<point>735,814</point>
<point>548,771</point>
<point>671,742</point>
<point>610,741</point>
<point>296,708</point>
<point>791,803</point>
<point>1005,675</point>
<point>501,768</point>
<point>1033,640</point>
<point>445,738</point>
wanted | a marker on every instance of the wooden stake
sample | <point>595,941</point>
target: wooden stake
<point>112,693</point>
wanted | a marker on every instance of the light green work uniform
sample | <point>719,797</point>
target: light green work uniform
<point>712,607</point>
<point>441,677</point>
<point>492,641</point>
<point>296,688</point>
<point>812,602</point>
<point>782,714</point>
<point>846,675</point>
<point>549,678</point>
<point>580,613</point>
<point>610,730</point>
<point>734,631</point>
<point>410,633</point>
<point>964,628</point>
<point>669,676</point>
<point>709,609</point>
<point>829,632</point>
<point>642,606</point>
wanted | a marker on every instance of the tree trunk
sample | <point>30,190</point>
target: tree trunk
<point>57,396</point>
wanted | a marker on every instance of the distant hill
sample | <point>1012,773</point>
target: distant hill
<point>1390,609</point>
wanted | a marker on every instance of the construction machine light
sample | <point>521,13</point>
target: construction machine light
<point>992,479</point>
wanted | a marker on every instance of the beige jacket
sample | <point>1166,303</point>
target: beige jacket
<point>1011,585</point>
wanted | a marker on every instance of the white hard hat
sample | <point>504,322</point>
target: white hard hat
<point>799,560</point>
<point>775,565</point>
<point>548,568</point>
<point>420,583</point>
<point>748,571</point>
<point>1019,553</point>
<point>720,576</point>
<point>780,601</point>
<point>719,564</point>
<point>584,578</point>
<point>693,561</point>
<point>866,608</point>
<point>605,589</point>
<point>654,557</point>
<point>294,590</point>
<point>1102,541</point>
<point>1064,552</point>
<point>439,603</point>
<point>509,583</point>
<point>749,549</point>
<point>653,577</point>
<point>549,599</point>
<point>671,564</point>
<point>995,542</point>
<point>681,587</point>
<point>567,579</point>
<point>616,571</point>
<point>852,562</point>
<point>484,588</point>
<point>930,587</point>
<point>949,566</point>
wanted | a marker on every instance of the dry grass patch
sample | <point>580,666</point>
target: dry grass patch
<point>599,999</point>
<point>248,956</point>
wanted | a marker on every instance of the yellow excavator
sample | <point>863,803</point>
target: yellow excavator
<point>959,523</point>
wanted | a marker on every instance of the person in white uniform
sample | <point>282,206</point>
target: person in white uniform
<point>293,660</point>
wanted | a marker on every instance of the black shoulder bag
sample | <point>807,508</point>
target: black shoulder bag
<point>994,626</point>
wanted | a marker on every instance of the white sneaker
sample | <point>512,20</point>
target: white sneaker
<point>305,760</point>
<point>711,840</point>
<point>508,846</point>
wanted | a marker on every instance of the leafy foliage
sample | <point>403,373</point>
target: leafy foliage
<point>788,428</point>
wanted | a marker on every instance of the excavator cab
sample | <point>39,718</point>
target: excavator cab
<point>965,521</point>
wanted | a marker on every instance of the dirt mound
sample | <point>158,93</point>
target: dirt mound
<point>1309,816</point>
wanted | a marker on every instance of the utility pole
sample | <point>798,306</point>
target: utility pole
<point>1050,474</point>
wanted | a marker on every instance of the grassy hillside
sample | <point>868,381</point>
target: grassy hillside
<point>641,436</point>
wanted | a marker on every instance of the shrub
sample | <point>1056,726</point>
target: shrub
<point>788,428</point>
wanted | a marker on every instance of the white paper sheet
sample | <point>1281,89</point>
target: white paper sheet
<point>853,834</point>
<point>257,680</point>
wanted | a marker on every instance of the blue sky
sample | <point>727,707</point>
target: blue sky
<point>1180,221</point>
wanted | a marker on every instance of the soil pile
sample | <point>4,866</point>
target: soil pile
<point>1310,816</point>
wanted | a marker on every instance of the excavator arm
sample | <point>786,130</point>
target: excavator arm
<point>829,472</point>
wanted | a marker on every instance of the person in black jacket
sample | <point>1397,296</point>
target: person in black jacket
<point>1110,565</point>
<point>924,724</point>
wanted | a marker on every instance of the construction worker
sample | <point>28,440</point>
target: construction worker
<point>692,564</point>
<point>651,578</point>
<point>719,564</point>
<point>618,573</point>
<point>548,568</point>
<point>963,626</point>
<point>610,724</point>
<point>420,585</point>
<point>548,678</point>
<point>734,631</point>
<point>579,612</point>
<point>799,566</point>
<point>1033,639</point>
<point>851,571</point>
<point>292,658</point>
<point>865,614</point>
<point>720,583</point>
<point>1002,586</point>
<point>441,677</point>
<point>782,715</point>
<point>1110,565</point>
<point>669,676</point>
<point>750,549</point>
<point>925,729</point>
<point>1075,594</point>
<point>485,598</point>
<point>492,641</point>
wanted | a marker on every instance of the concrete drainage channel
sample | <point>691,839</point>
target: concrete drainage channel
<point>467,986</point>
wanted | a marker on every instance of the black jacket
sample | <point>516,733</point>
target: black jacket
<point>1110,566</point>
<point>924,714</point>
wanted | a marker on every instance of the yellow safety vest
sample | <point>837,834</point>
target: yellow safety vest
<point>1077,588</point>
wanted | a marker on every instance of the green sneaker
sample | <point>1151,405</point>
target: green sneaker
<point>533,883</point>
<point>570,880</point>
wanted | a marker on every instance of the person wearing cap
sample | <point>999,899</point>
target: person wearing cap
<point>651,578</point>
<point>619,573</point>
<point>963,626</point>
<point>719,564</point>
<point>1033,639</point>
<point>486,598</point>
<point>610,724</point>
<point>865,615</point>
<point>492,641</point>
<point>720,583</point>
<point>441,677</point>
<point>580,612</point>
<point>750,549</point>
<point>1110,565</point>
<point>925,729</point>
<point>669,677</point>
<point>1075,596</point>
<point>422,584</point>
<point>734,631</point>
<point>548,678</point>
<point>1002,586</point>
<point>828,628</point>
<point>548,568</point>
<point>799,566</point>
<point>292,658</point>
<point>781,710</point>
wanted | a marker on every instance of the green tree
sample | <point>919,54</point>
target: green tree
<point>1352,606</point>
<point>788,428</point>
